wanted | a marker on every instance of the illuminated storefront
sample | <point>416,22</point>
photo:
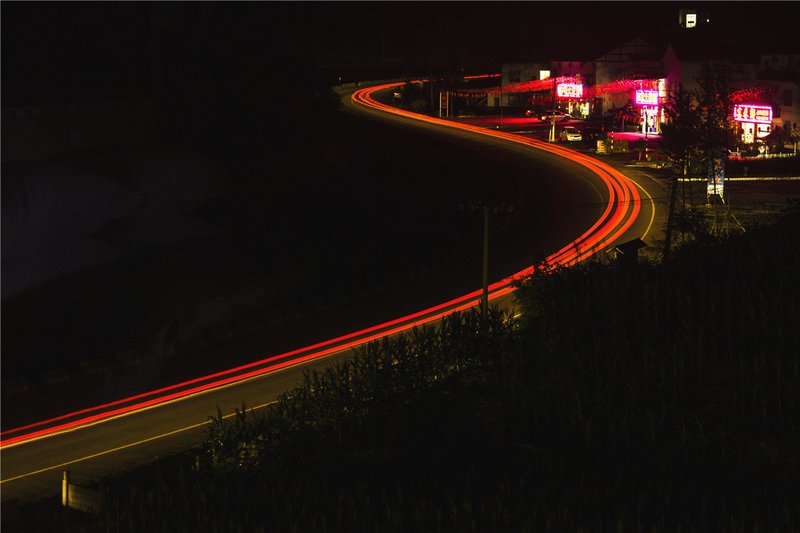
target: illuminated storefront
<point>573,94</point>
<point>755,121</point>
<point>648,95</point>
<point>647,100</point>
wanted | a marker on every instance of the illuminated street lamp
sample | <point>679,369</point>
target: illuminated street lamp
<point>552,136</point>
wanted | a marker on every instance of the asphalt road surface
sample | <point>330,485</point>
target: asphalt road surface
<point>604,208</point>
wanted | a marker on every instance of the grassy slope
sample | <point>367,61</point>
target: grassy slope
<point>652,401</point>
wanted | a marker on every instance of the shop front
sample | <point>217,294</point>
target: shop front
<point>572,94</point>
<point>642,98</point>
<point>647,100</point>
<point>755,121</point>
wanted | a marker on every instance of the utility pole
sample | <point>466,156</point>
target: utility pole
<point>501,97</point>
<point>485,298</point>
<point>487,207</point>
<point>552,138</point>
<point>430,81</point>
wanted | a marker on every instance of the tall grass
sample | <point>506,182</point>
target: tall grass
<point>663,399</point>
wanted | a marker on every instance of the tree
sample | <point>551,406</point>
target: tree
<point>641,146</point>
<point>794,137</point>
<point>626,114</point>
<point>775,140</point>
<point>716,132</point>
<point>680,142</point>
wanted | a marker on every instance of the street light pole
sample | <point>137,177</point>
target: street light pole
<point>430,81</point>
<point>501,97</point>
<point>553,114</point>
<point>485,298</point>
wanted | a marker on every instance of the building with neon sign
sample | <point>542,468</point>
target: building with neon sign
<point>764,82</point>
<point>755,121</point>
<point>635,80</point>
<point>632,77</point>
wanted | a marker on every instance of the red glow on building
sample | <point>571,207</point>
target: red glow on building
<point>620,86</point>
<point>752,94</point>
<point>481,76</point>
<point>537,85</point>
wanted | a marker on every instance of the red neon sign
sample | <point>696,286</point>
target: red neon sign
<point>646,97</point>
<point>752,113</point>
<point>569,90</point>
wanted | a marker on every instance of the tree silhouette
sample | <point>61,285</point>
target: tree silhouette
<point>680,144</point>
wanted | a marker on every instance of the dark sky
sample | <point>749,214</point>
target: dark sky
<point>100,47</point>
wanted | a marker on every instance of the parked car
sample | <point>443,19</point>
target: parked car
<point>559,115</point>
<point>569,133</point>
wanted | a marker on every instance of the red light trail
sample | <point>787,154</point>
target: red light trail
<point>619,214</point>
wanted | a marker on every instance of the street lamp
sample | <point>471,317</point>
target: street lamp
<point>552,136</point>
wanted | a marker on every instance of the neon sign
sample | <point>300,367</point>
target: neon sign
<point>646,97</point>
<point>752,113</point>
<point>569,90</point>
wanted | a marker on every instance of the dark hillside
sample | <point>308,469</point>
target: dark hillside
<point>660,400</point>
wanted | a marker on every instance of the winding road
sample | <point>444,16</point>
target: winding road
<point>98,440</point>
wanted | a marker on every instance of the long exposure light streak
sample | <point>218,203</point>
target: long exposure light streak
<point>619,214</point>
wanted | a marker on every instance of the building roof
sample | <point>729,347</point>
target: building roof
<point>702,46</point>
<point>636,49</point>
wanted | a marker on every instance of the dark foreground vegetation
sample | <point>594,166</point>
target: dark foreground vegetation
<point>661,399</point>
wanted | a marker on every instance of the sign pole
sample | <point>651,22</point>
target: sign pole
<point>65,488</point>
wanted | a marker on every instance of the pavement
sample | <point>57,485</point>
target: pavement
<point>749,200</point>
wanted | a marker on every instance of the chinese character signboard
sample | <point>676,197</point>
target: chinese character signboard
<point>569,90</point>
<point>646,97</point>
<point>752,113</point>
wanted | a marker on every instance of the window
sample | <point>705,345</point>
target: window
<point>513,76</point>
<point>787,97</point>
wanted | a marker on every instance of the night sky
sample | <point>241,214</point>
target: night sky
<point>64,51</point>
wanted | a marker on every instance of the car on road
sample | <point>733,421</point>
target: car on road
<point>569,133</point>
<point>559,115</point>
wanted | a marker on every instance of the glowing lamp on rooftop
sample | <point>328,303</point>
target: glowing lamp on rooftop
<point>646,97</point>
<point>569,90</point>
<point>761,114</point>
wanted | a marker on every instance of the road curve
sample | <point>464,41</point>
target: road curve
<point>134,429</point>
